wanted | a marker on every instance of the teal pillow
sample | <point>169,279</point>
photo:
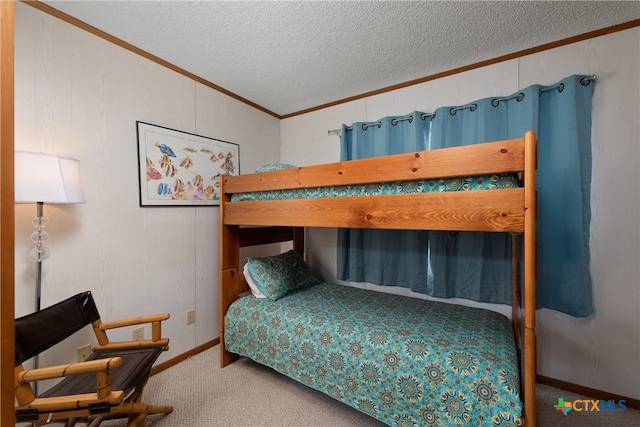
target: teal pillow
<point>274,167</point>
<point>278,275</point>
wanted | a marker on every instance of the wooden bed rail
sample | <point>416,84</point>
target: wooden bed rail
<point>482,210</point>
<point>480,159</point>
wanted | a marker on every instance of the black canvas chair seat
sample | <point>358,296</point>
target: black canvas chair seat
<point>135,368</point>
<point>108,384</point>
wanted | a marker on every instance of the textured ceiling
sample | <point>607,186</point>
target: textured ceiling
<point>288,56</point>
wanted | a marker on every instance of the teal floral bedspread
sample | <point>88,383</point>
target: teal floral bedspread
<point>482,182</point>
<point>404,361</point>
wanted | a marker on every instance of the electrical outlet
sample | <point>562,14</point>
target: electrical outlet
<point>191,317</point>
<point>83,352</point>
<point>138,334</point>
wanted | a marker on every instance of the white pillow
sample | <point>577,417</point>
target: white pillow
<point>252,284</point>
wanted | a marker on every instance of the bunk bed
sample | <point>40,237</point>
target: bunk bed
<point>435,367</point>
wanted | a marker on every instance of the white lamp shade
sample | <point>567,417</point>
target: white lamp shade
<point>42,177</point>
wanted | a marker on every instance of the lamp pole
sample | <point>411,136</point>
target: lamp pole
<point>39,209</point>
<point>40,256</point>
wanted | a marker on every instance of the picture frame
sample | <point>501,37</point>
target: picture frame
<point>179,168</point>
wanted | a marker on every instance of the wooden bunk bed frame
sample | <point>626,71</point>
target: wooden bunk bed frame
<point>506,210</point>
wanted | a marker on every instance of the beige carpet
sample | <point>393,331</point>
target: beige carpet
<point>248,394</point>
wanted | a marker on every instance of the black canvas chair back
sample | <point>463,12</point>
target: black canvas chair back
<point>43,329</point>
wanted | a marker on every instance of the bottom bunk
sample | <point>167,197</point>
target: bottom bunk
<point>401,360</point>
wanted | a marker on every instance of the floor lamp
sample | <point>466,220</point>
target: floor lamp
<point>45,178</point>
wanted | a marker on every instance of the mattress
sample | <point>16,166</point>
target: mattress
<point>401,360</point>
<point>480,182</point>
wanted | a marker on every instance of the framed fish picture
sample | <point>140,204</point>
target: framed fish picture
<point>182,169</point>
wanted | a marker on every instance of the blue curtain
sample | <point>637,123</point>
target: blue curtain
<point>477,265</point>
<point>390,251</point>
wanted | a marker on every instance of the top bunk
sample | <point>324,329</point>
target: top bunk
<point>469,209</point>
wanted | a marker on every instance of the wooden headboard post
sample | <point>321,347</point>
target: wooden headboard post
<point>530,267</point>
<point>231,280</point>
